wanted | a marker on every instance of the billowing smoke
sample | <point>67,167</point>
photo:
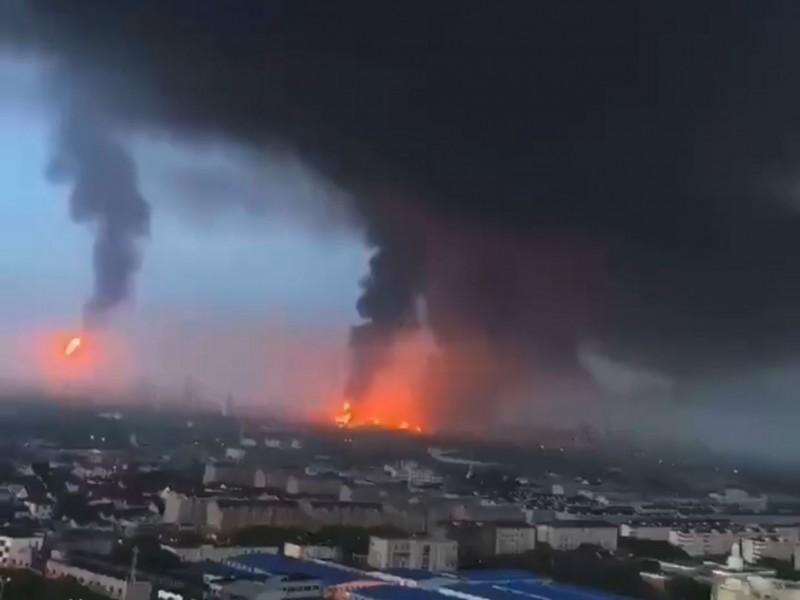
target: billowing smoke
<point>388,305</point>
<point>542,173</point>
<point>105,196</point>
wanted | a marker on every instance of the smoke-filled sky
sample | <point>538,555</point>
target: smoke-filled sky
<point>224,299</point>
<point>588,198</point>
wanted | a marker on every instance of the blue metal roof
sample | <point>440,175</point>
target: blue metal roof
<point>395,592</point>
<point>276,564</point>
<point>568,591</point>
<point>413,574</point>
<point>531,590</point>
<point>494,575</point>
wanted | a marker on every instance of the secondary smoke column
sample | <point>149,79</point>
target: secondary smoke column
<point>105,195</point>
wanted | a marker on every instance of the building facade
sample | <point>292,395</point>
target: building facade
<point>204,552</point>
<point>311,552</point>
<point>568,535</point>
<point>107,585</point>
<point>230,515</point>
<point>16,552</point>
<point>754,549</point>
<point>430,554</point>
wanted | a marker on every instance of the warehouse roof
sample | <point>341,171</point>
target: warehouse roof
<point>328,574</point>
<point>395,592</point>
<point>527,590</point>
<point>494,575</point>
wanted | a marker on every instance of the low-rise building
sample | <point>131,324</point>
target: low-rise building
<point>754,549</point>
<point>230,515</point>
<point>478,540</point>
<point>111,585</point>
<point>312,552</point>
<point>487,512</point>
<point>180,509</point>
<point>354,514</point>
<point>703,541</point>
<point>709,540</point>
<point>511,538</point>
<point>319,485</point>
<point>17,548</point>
<point>200,552</point>
<point>431,554</point>
<point>568,535</point>
<point>647,530</point>
<point>229,473</point>
<point>277,587</point>
<point>754,587</point>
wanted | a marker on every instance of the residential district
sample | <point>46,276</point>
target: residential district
<point>134,505</point>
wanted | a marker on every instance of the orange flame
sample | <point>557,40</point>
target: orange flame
<point>345,419</point>
<point>72,346</point>
<point>395,398</point>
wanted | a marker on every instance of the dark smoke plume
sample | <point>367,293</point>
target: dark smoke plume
<point>388,304</point>
<point>540,172</point>
<point>105,196</point>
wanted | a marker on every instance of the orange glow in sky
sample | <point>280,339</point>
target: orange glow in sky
<point>64,361</point>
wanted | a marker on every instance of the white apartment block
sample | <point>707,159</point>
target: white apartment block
<point>754,549</point>
<point>311,552</point>
<point>413,553</point>
<point>646,531</point>
<point>17,552</point>
<point>568,535</point>
<point>717,540</point>
<point>704,542</point>
<point>514,540</point>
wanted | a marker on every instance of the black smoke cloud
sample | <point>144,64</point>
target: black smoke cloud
<point>540,172</point>
<point>104,195</point>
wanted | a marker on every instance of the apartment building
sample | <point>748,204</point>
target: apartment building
<point>431,554</point>
<point>568,535</point>
<point>17,549</point>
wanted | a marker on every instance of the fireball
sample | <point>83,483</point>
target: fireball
<point>72,346</point>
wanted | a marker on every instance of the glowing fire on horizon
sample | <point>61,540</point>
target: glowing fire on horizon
<point>395,399</point>
<point>346,420</point>
<point>73,345</point>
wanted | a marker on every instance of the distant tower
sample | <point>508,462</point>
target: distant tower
<point>735,560</point>
<point>227,407</point>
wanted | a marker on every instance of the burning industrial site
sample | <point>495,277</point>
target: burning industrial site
<point>395,398</point>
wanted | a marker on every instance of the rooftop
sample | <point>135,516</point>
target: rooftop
<point>276,564</point>
<point>495,575</point>
<point>412,574</point>
<point>580,524</point>
<point>529,590</point>
<point>396,592</point>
